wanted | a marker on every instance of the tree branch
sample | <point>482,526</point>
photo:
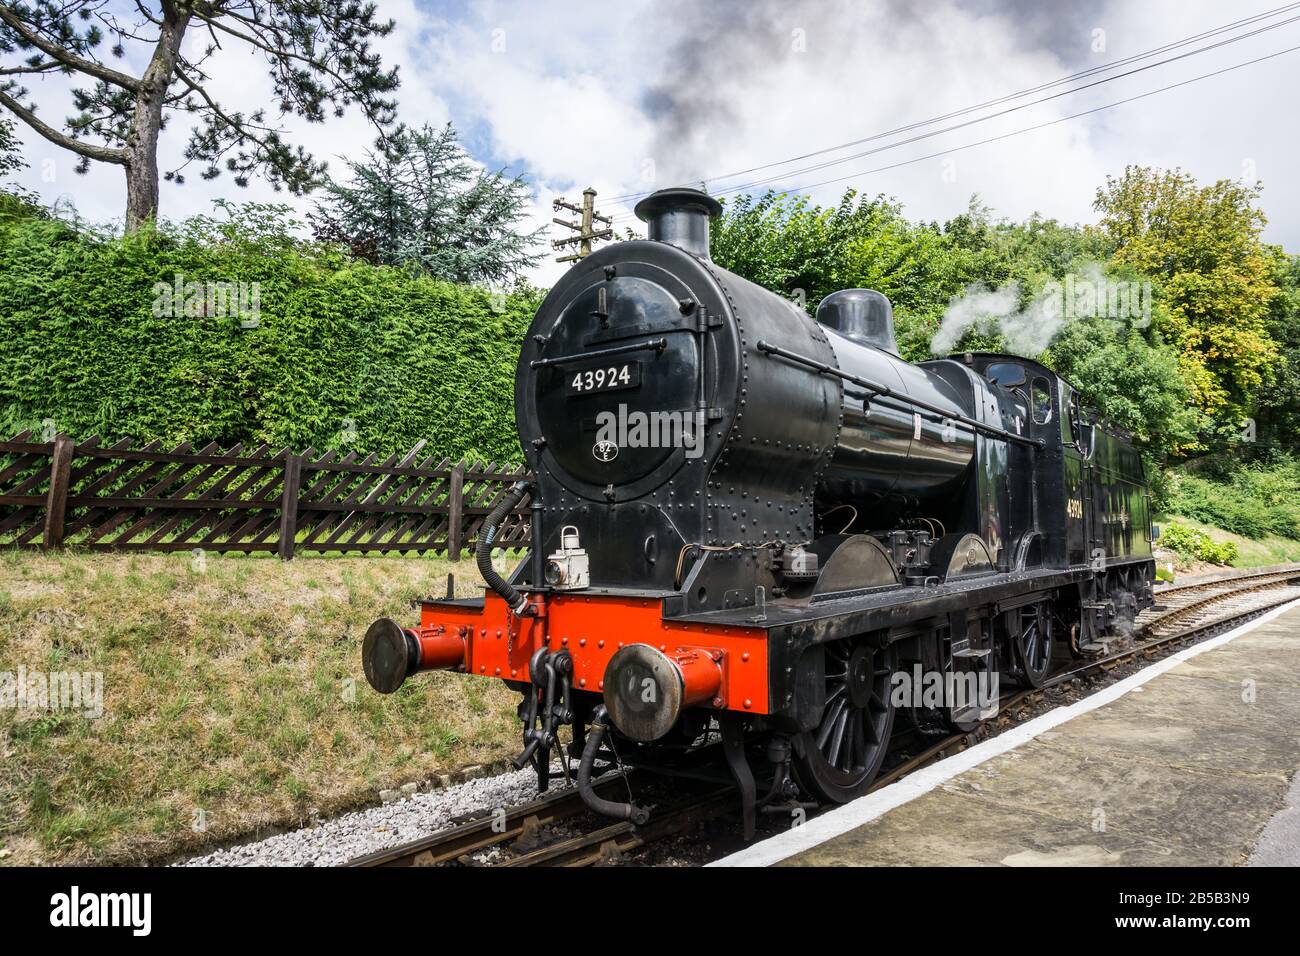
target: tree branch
<point>240,128</point>
<point>41,67</point>
<point>90,67</point>
<point>102,153</point>
<point>147,13</point>
<point>283,53</point>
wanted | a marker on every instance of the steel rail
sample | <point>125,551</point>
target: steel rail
<point>1285,570</point>
<point>487,831</point>
<point>610,842</point>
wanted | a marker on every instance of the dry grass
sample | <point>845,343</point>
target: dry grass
<point>233,688</point>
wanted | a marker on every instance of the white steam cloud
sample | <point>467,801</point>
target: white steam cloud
<point>1029,331</point>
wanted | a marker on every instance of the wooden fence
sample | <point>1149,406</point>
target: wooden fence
<point>120,498</point>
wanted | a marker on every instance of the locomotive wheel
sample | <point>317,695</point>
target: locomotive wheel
<point>1034,646</point>
<point>838,760</point>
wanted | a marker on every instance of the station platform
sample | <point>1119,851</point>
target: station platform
<point>1190,762</point>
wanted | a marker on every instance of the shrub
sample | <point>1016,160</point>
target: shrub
<point>1254,501</point>
<point>1191,544</point>
<point>1225,552</point>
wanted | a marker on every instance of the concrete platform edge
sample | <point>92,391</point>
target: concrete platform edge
<point>852,815</point>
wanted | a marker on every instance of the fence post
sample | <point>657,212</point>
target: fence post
<point>56,504</point>
<point>289,505</point>
<point>455,511</point>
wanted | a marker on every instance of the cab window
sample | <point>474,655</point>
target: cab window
<point>1006,374</point>
<point>1067,399</point>
<point>1041,401</point>
<point>1079,431</point>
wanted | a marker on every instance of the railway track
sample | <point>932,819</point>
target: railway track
<point>520,832</point>
<point>1183,614</point>
<point>1174,596</point>
<point>519,826</point>
<point>1195,611</point>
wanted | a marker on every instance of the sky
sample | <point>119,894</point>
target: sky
<point>643,94</point>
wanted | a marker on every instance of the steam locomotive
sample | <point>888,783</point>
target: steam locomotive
<point>746,523</point>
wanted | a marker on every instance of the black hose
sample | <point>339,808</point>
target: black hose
<point>518,603</point>
<point>609,808</point>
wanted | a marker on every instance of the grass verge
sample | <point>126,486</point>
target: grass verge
<point>1251,552</point>
<point>233,699</point>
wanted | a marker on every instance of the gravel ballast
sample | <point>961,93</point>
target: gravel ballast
<point>350,835</point>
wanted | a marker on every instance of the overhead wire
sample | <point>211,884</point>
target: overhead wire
<point>1017,132</point>
<point>1246,21</point>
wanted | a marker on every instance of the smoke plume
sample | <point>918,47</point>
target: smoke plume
<point>1025,331</point>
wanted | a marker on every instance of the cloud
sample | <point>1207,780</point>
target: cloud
<point>652,93</point>
<point>797,77</point>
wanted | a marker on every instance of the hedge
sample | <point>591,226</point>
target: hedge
<point>327,352</point>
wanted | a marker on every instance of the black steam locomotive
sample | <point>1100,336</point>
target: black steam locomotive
<point>747,523</point>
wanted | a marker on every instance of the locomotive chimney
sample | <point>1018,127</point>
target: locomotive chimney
<point>680,217</point>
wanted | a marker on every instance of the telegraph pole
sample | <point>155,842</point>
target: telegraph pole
<point>585,229</point>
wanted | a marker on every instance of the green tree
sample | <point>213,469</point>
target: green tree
<point>317,53</point>
<point>418,201</point>
<point>788,244</point>
<point>785,243</point>
<point>1202,245</point>
<point>11,156</point>
<point>1129,372</point>
<point>1277,403</point>
<point>1134,382</point>
<point>923,267</point>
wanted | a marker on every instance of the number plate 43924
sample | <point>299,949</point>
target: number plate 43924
<point>603,378</point>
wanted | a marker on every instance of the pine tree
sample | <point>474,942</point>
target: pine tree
<point>317,53</point>
<point>418,201</point>
<point>10,151</point>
